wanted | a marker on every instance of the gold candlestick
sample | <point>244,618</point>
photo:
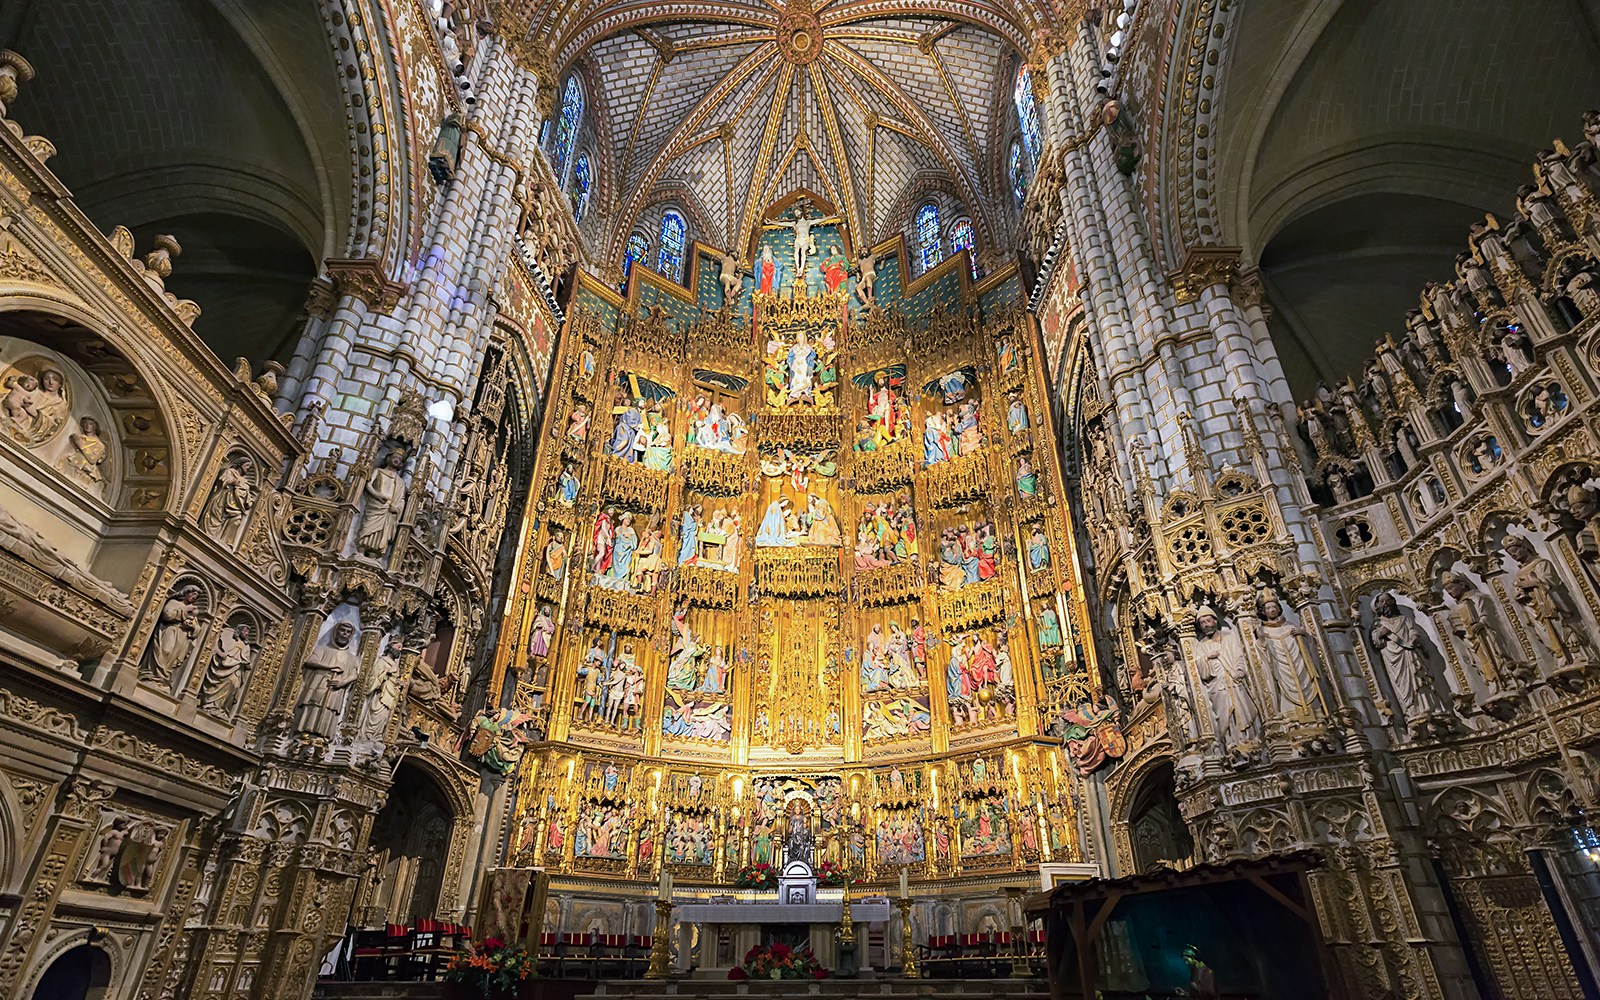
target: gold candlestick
<point>847,924</point>
<point>908,948</point>
<point>660,947</point>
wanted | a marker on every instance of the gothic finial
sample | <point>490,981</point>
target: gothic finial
<point>13,68</point>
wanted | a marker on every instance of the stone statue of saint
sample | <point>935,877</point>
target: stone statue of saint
<point>176,628</point>
<point>228,670</point>
<point>82,464</point>
<point>383,694</point>
<point>1544,594</point>
<point>1220,662</point>
<point>329,670</point>
<point>230,502</point>
<point>385,493</point>
<point>1292,660</point>
<point>799,842</point>
<point>1399,643</point>
<point>1473,621</point>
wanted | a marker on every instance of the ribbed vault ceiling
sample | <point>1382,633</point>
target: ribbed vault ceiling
<point>742,102</point>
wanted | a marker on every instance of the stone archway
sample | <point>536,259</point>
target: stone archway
<point>412,838</point>
<point>81,973</point>
<point>1157,833</point>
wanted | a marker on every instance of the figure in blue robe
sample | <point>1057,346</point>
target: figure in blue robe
<point>1049,628</point>
<point>773,530</point>
<point>1017,415</point>
<point>675,722</point>
<point>935,440</point>
<point>969,563</point>
<point>954,386</point>
<point>1038,550</point>
<point>688,538</point>
<point>568,486</point>
<point>624,432</point>
<point>622,549</point>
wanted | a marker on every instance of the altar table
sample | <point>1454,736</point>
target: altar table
<point>744,921</point>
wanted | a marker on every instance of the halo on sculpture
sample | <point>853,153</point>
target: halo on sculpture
<point>896,374</point>
<point>733,383</point>
<point>936,386</point>
<point>643,388</point>
<point>43,399</point>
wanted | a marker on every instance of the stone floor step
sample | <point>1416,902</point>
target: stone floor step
<point>378,991</point>
<point>826,989</point>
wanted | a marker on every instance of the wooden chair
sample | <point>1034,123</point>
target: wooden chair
<point>366,953</point>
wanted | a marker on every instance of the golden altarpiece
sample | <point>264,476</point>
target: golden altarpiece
<point>797,558</point>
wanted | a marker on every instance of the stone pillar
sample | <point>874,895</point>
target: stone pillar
<point>66,838</point>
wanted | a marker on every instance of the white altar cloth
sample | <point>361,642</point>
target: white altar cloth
<point>779,913</point>
<point>742,922</point>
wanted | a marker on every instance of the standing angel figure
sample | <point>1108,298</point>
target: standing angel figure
<point>805,244</point>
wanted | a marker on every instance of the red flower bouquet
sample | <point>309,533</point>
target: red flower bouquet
<point>491,966</point>
<point>756,876</point>
<point>778,961</point>
<point>830,875</point>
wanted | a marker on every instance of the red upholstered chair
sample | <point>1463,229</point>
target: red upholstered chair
<point>367,954</point>
<point>429,951</point>
<point>396,942</point>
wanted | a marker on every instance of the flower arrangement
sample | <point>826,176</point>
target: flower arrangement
<point>756,876</point>
<point>491,965</point>
<point>830,875</point>
<point>778,961</point>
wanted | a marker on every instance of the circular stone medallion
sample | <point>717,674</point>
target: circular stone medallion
<point>800,35</point>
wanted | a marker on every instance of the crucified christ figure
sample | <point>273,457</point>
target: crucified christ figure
<point>805,245</point>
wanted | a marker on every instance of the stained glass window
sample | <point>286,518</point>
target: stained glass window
<point>961,238</point>
<point>928,235</point>
<point>580,187</point>
<point>670,259</point>
<point>1027,114</point>
<point>638,249</point>
<point>1019,175</point>
<point>567,128</point>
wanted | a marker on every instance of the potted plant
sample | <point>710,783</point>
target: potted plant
<point>490,970</point>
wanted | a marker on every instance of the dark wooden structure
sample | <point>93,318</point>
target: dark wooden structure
<point>1075,914</point>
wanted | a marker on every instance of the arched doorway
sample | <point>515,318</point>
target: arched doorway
<point>1157,833</point>
<point>84,973</point>
<point>412,836</point>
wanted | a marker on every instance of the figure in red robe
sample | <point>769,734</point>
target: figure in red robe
<point>833,271</point>
<point>766,271</point>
